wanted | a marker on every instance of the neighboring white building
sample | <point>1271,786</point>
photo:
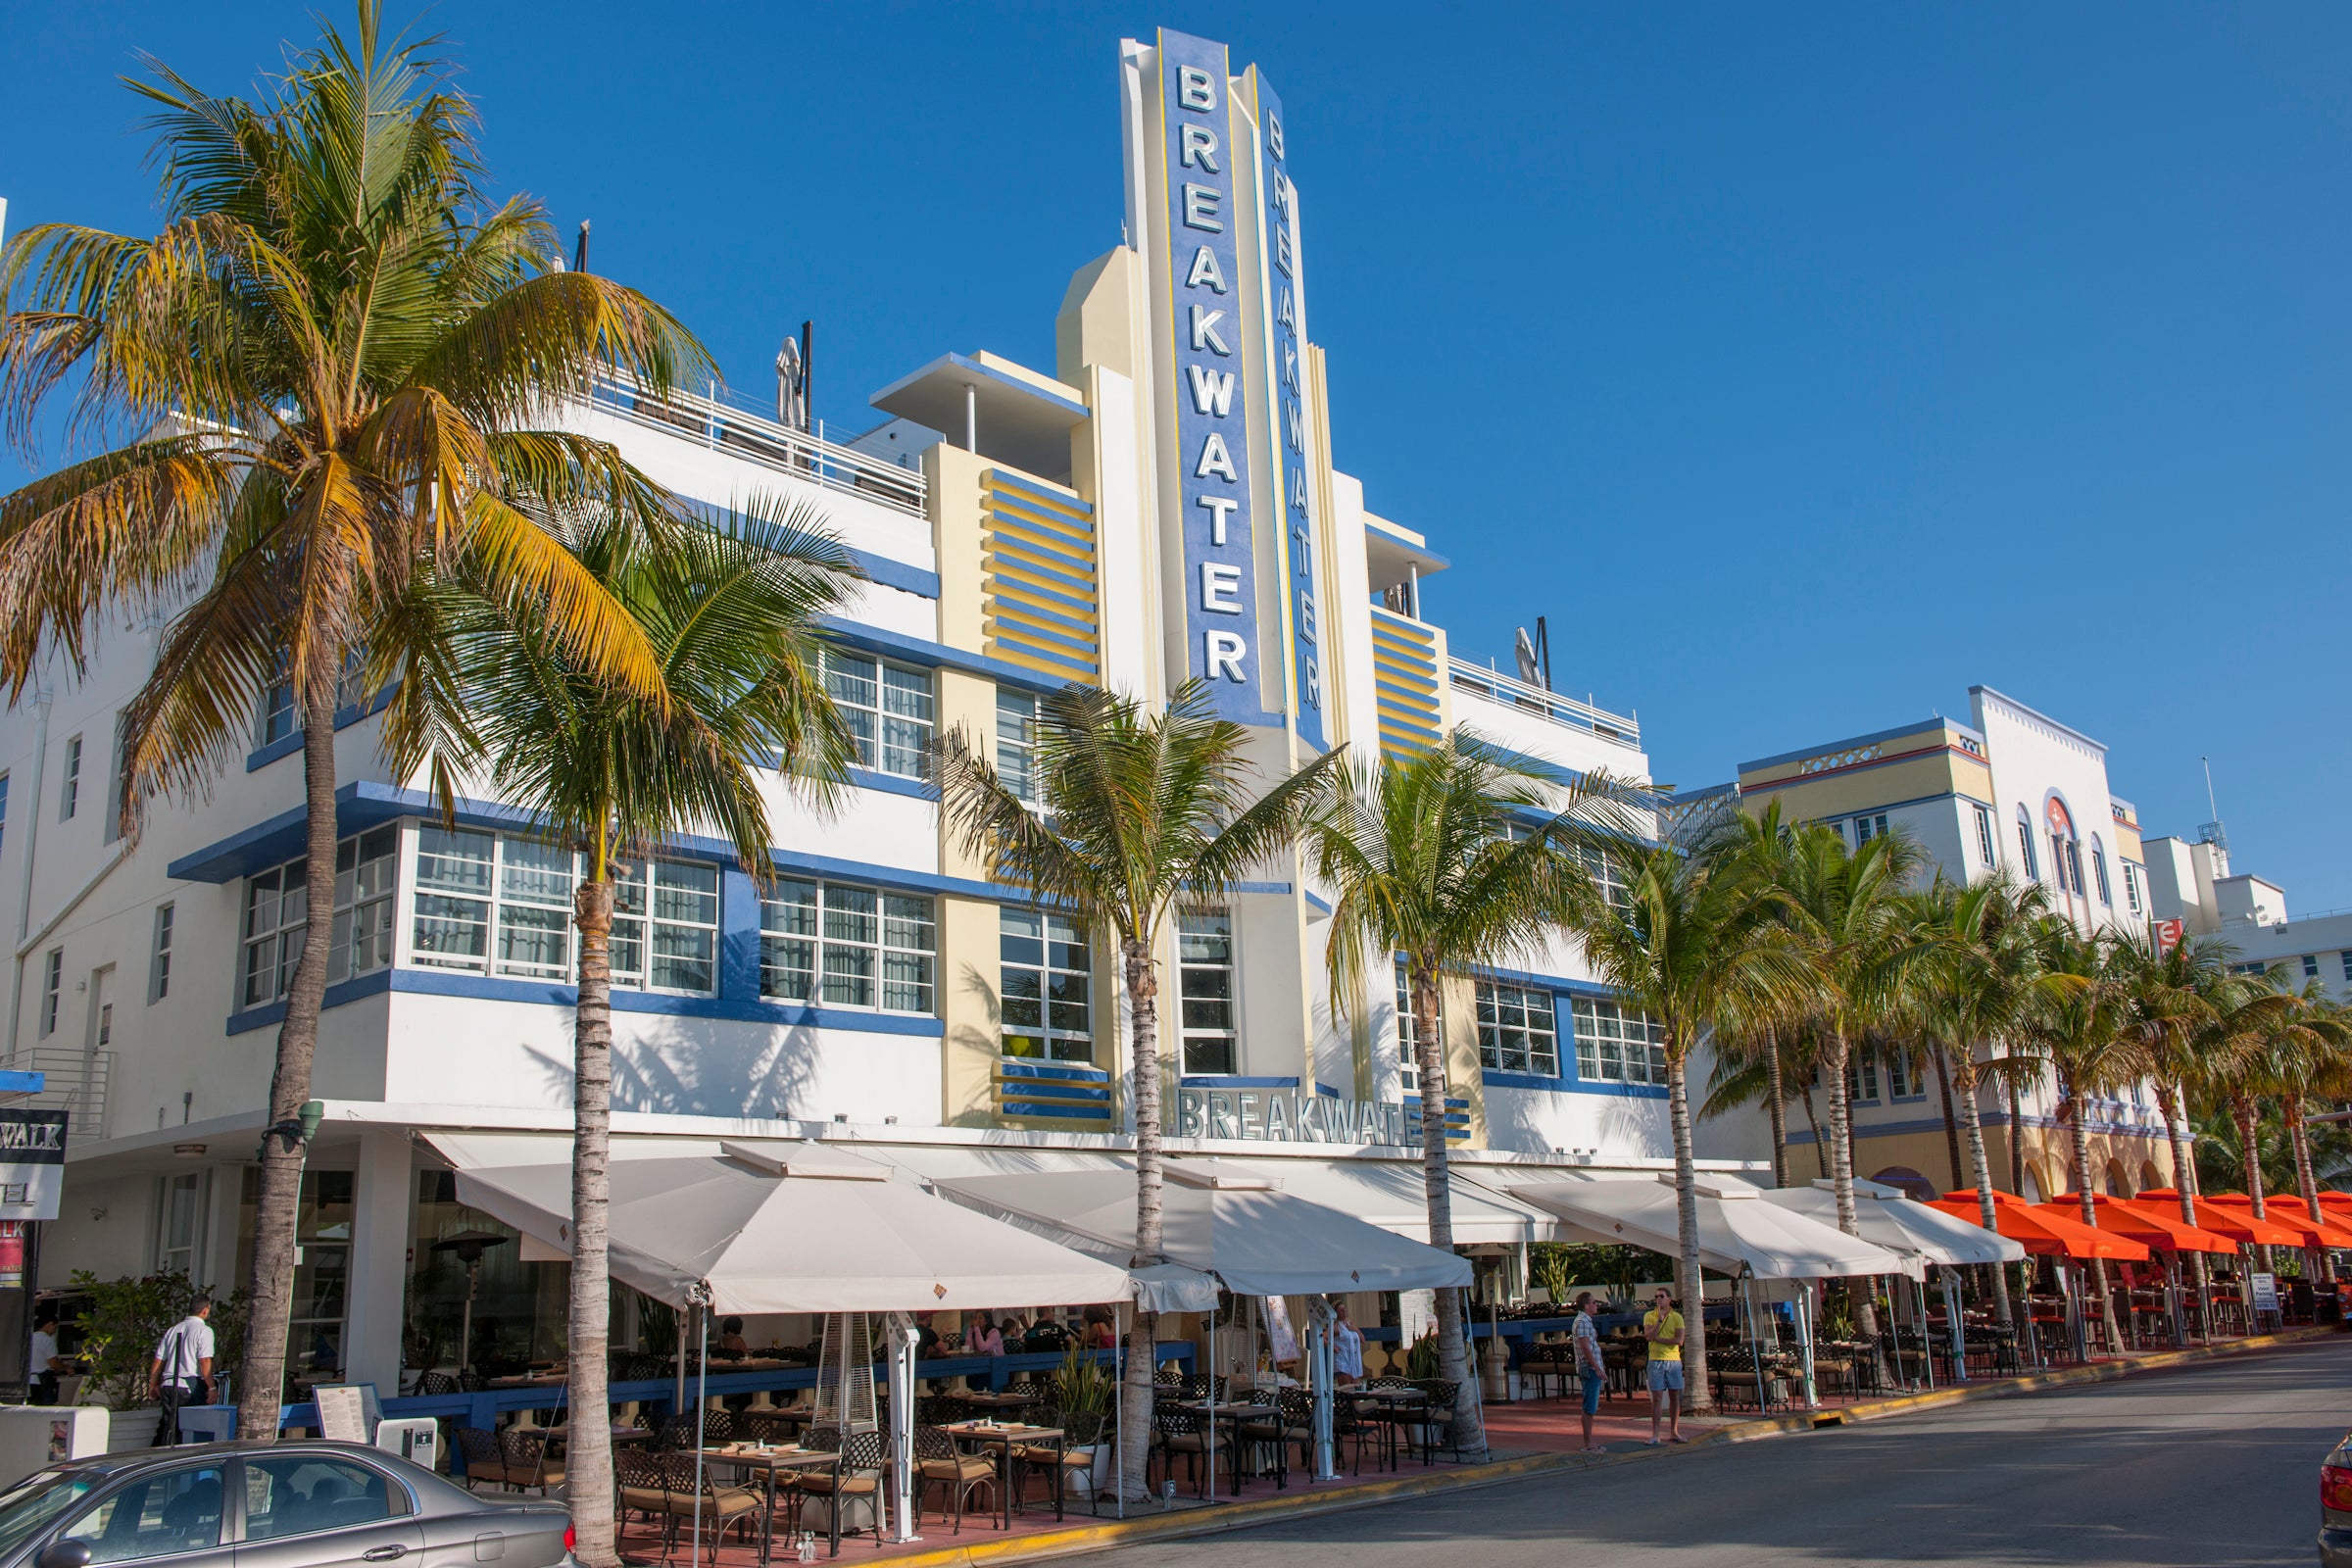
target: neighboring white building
<point>2195,885</point>
<point>1161,505</point>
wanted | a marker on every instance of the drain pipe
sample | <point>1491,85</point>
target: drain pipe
<point>44,701</point>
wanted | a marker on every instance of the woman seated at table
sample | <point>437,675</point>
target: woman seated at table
<point>1347,1347</point>
<point>982,1337</point>
<point>1099,1333</point>
<point>731,1341</point>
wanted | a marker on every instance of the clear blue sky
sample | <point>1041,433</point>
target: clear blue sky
<point>1803,365</point>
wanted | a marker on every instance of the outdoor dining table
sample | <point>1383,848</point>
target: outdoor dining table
<point>1005,1437</point>
<point>999,1401</point>
<point>771,1462</point>
<point>1398,1401</point>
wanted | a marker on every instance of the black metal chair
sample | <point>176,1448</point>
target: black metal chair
<point>1437,1419</point>
<point>1177,1431</point>
<point>938,1463</point>
<point>856,1484</point>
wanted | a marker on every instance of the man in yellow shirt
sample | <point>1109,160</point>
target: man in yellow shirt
<point>1662,1327</point>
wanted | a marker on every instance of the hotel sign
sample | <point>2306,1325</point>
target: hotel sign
<point>1220,221</point>
<point>32,1163</point>
<point>1283,1115</point>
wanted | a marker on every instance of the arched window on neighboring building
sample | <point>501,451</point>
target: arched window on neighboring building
<point>2150,1175</point>
<point>2119,1184</point>
<point>2098,866</point>
<point>2033,1193</point>
<point>2024,845</point>
<point>1909,1180</point>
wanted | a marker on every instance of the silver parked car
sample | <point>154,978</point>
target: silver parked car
<point>302,1505</point>
<point>2335,1508</point>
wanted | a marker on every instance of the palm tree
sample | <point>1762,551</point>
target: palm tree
<point>1429,859</point>
<point>2309,1059</point>
<point>1764,840</point>
<point>1136,811</point>
<point>1692,939</point>
<point>730,613</point>
<point>327,364</point>
<point>2081,1030</point>
<point>1847,910</point>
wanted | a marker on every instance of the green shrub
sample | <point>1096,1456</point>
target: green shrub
<point>125,1320</point>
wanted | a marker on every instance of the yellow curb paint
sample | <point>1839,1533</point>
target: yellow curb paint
<point>1107,1534</point>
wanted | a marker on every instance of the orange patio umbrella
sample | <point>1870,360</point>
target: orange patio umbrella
<point>2284,1214</point>
<point>2331,1200</point>
<point>2216,1213</point>
<point>2327,1229</point>
<point>2042,1231</point>
<point>2146,1224</point>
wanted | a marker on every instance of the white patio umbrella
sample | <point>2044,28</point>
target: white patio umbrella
<point>749,1227</point>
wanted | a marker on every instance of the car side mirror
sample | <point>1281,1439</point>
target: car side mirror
<point>63,1554</point>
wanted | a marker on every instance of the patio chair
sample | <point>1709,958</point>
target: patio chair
<point>718,1506</point>
<point>1542,1365</point>
<point>938,1463</point>
<point>851,1496</point>
<point>1436,1418</point>
<point>1178,1431</point>
<point>431,1383</point>
<point>1731,1374</point>
<point>638,1484</point>
<point>524,1451</point>
<point>484,1459</point>
<point>1075,1457</point>
<point>1266,1435</point>
<point>1349,1429</point>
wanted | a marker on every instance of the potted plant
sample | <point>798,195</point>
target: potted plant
<point>122,1325</point>
<point>1082,1389</point>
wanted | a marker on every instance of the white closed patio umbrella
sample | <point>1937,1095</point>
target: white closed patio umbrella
<point>758,1226</point>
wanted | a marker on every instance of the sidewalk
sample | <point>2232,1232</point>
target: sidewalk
<point>1530,1438</point>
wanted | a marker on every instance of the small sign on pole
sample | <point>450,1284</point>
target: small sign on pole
<point>2264,1288</point>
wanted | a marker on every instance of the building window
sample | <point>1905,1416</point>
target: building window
<point>276,914</point>
<point>159,962</point>
<point>53,981</point>
<point>2311,967</point>
<point>848,947</point>
<point>2024,845</point>
<point>1017,741</point>
<point>276,720</point>
<point>503,906</point>
<point>2098,866</point>
<point>69,799</point>
<point>3,811</point>
<point>1517,1031</point>
<point>2131,887</point>
<point>112,828</point>
<point>1205,963</point>
<point>1044,977</point>
<point>1866,828</point>
<point>1617,1045</point>
<point>2074,865</point>
<point>1903,1079</point>
<point>1862,1079</point>
<point>1985,852</point>
<point>888,707</point>
<point>1408,1032</point>
<point>179,1223</point>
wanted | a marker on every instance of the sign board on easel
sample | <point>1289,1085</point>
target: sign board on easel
<point>342,1412</point>
<point>2264,1291</point>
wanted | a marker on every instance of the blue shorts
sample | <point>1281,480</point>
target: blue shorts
<point>1592,1382</point>
<point>1666,1373</point>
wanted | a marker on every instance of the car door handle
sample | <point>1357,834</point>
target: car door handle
<point>382,1553</point>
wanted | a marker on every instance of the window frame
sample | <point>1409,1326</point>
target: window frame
<point>875,748</point>
<point>379,873</point>
<point>1988,846</point>
<point>1228,1038</point>
<point>918,966</point>
<point>2026,846</point>
<point>1408,1060</point>
<point>1055,1040</point>
<point>70,787</point>
<point>159,952</point>
<point>1591,1065</point>
<point>53,986</point>
<point>1016,756</point>
<point>1540,1049</point>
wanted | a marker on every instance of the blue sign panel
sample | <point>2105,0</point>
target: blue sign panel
<point>1279,218</point>
<point>1213,442</point>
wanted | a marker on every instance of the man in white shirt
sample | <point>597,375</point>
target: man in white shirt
<point>183,1373</point>
<point>1592,1372</point>
<point>44,1361</point>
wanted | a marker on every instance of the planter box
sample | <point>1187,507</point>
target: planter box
<point>129,1431</point>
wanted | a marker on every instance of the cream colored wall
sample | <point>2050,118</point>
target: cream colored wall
<point>953,477</point>
<point>1841,794</point>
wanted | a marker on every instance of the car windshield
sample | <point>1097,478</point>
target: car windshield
<point>28,1508</point>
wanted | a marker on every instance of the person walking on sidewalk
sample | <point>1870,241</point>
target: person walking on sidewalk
<point>1591,1370</point>
<point>183,1373</point>
<point>1662,1327</point>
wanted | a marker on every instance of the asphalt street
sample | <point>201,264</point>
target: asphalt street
<point>2212,1465</point>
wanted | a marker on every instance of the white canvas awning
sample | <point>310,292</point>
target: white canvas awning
<point>1891,1219</point>
<point>777,1226</point>
<point>1219,1217</point>
<point>1737,1230</point>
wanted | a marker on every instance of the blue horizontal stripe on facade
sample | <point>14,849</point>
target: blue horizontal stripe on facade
<point>1061,1094</point>
<point>1010,479</point>
<point>287,745</point>
<point>1024,1108</point>
<point>1990,1118</point>
<point>1031,1067</point>
<point>936,656</point>
<point>493,988</point>
<point>867,778</point>
<point>902,575</point>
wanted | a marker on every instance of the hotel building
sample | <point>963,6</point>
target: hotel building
<point>1157,504</point>
<point>2013,789</point>
<point>2192,883</point>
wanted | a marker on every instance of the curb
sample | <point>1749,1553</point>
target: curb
<point>1106,1535</point>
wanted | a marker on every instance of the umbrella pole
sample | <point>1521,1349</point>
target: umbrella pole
<point>702,1385</point>
<point>1804,1341</point>
<point>1212,1408</point>
<point>902,1425</point>
<point>1119,1402</point>
<point>1755,1340</point>
<point>1951,1309</point>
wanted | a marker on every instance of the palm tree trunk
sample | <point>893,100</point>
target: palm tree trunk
<point>1773,1098</point>
<point>2249,1125</point>
<point>1979,1166</point>
<point>2017,1141</point>
<point>2167,1106</point>
<point>2080,1135</point>
<point>2306,1182</point>
<point>1841,1183</point>
<point>1821,1145</point>
<point>1951,1123</point>
<point>1453,1346</point>
<point>1689,1284</point>
<point>1141,979</point>
<point>588,1462</point>
<point>261,1382</point>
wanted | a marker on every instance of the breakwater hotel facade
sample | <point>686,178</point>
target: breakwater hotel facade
<point>1160,503</point>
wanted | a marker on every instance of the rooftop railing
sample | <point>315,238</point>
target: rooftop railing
<point>722,424</point>
<point>74,1082</point>
<point>1566,710</point>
